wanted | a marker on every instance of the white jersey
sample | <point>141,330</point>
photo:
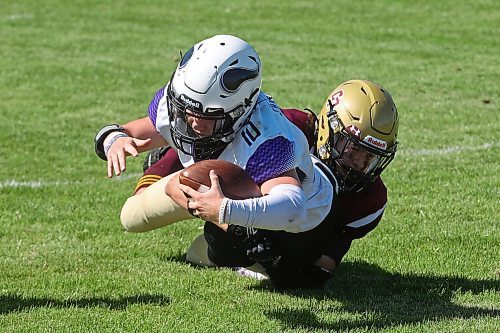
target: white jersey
<point>266,147</point>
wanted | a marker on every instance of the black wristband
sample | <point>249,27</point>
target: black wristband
<point>101,136</point>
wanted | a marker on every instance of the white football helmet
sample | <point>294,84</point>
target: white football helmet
<point>218,79</point>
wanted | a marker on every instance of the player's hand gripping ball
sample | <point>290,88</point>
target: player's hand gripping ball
<point>234,181</point>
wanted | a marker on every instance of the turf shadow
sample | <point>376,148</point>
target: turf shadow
<point>18,303</point>
<point>376,298</point>
<point>177,257</point>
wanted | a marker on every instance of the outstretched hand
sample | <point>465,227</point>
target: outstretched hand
<point>205,205</point>
<point>120,149</point>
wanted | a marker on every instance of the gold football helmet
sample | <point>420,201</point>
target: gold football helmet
<point>357,133</point>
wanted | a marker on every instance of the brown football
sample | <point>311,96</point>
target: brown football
<point>235,182</point>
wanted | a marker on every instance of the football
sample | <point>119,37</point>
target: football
<point>235,182</point>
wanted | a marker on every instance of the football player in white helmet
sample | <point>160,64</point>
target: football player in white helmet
<point>212,108</point>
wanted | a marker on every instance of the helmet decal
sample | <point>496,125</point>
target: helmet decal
<point>335,99</point>
<point>354,130</point>
<point>186,57</point>
<point>381,144</point>
<point>191,103</point>
<point>233,78</point>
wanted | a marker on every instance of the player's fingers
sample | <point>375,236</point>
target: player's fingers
<point>214,180</point>
<point>191,204</point>
<point>188,191</point>
<point>112,160</point>
<point>192,208</point>
<point>110,168</point>
<point>122,161</point>
<point>131,150</point>
<point>116,165</point>
<point>142,143</point>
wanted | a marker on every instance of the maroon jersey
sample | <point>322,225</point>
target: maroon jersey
<point>356,214</point>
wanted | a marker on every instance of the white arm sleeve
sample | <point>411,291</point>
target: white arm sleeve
<point>284,208</point>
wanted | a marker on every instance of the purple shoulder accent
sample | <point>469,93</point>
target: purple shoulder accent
<point>153,106</point>
<point>271,159</point>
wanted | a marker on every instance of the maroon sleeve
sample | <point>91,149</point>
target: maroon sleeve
<point>337,247</point>
<point>166,165</point>
<point>305,121</point>
<point>359,213</point>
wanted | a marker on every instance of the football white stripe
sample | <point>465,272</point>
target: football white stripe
<point>367,219</point>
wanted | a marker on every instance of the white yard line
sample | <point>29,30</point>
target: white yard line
<point>13,183</point>
<point>446,150</point>
<point>15,17</point>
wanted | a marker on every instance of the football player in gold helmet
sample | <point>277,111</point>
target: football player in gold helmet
<point>357,133</point>
<point>356,138</point>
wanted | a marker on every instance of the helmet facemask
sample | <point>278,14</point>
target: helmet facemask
<point>185,138</point>
<point>354,162</point>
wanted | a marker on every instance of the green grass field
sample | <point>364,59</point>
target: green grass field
<point>66,265</point>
